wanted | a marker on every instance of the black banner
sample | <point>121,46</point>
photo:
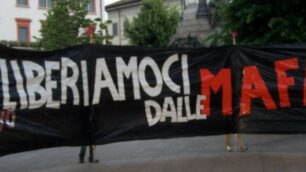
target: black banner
<point>94,94</point>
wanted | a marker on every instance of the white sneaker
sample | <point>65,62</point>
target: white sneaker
<point>228,149</point>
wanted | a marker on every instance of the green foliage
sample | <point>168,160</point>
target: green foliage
<point>261,21</point>
<point>101,36</point>
<point>64,20</point>
<point>188,42</point>
<point>153,26</point>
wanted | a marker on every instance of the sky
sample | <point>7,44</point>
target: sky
<point>110,1</point>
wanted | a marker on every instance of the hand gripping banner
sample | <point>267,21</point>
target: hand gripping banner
<point>94,94</point>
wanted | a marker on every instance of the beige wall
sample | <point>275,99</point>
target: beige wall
<point>119,16</point>
<point>104,4</point>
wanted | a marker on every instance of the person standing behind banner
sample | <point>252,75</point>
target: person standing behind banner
<point>87,129</point>
<point>90,31</point>
<point>240,143</point>
<point>91,157</point>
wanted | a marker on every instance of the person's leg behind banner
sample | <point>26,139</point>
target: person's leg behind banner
<point>92,149</point>
<point>240,144</point>
<point>82,154</point>
<point>228,142</point>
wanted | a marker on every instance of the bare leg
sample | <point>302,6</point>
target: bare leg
<point>92,157</point>
<point>241,146</point>
<point>240,141</point>
<point>228,142</point>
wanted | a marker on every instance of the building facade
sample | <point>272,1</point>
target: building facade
<point>104,4</point>
<point>21,20</point>
<point>119,11</point>
<point>195,21</point>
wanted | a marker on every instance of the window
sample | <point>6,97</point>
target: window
<point>23,31</point>
<point>45,4</point>
<point>23,34</point>
<point>91,6</point>
<point>22,3</point>
<point>115,29</point>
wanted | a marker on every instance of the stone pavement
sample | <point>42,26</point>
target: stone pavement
<point>268,153</point>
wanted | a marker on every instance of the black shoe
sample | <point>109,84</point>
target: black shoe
<point>243,149</point>
<point>81,160</point>
<point>91,160</point>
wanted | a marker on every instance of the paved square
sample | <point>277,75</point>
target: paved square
<point>268,153</point>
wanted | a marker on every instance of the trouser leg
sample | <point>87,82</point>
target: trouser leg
<point>82,153</point>
<point>91,152</point>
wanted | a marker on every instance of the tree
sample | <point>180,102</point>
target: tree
<point>261,21</point>
<point>153,26</point>
<point>101,36</point>
<point>64,21</point>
